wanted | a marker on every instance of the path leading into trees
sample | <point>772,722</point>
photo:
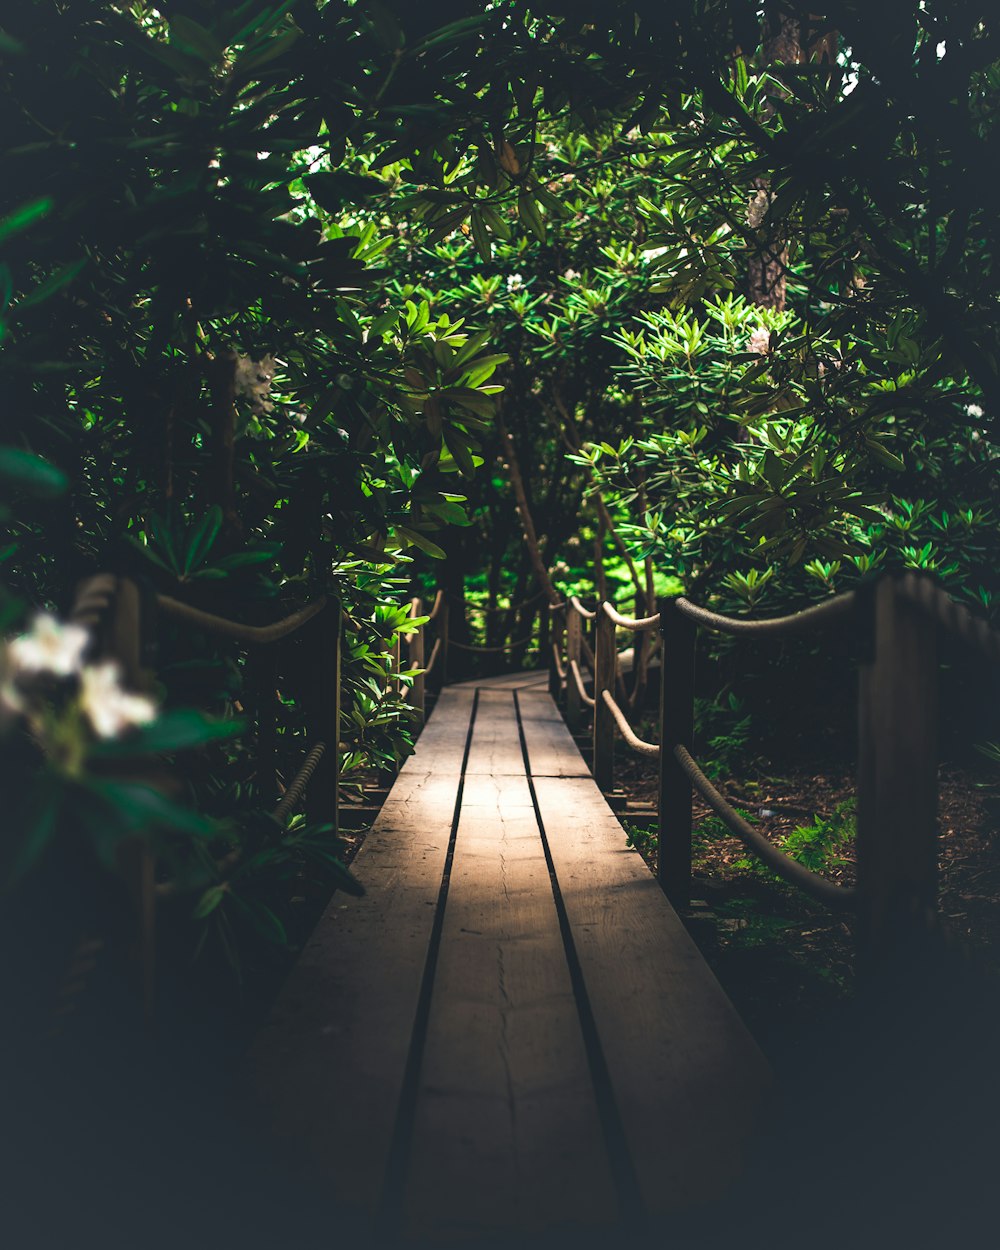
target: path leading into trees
<point>512,1032</point>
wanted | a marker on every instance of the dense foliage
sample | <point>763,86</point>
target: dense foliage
<point>300,298</point>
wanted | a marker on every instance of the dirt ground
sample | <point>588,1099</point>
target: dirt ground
<point>784,959</point>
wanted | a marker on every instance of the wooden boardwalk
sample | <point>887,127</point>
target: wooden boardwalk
<point>511,1033</point>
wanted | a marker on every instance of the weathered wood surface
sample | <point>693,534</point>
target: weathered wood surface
<point>501,1124</point>
<point>507,1133</point>
<point>685,1075</point>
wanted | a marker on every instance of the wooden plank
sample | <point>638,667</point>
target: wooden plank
<point>551,749</point>
<point>506,1134</point>
<point>441,745</point>
<point>327,1069</point>
<point>496,743</point>
<point>686,1075</point>
<point>536,679</point>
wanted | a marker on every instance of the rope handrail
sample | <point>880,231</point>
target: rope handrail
<point>514,607</point>
<point>506,646</point>
<point>438,604</point>
<point>639,625</point>
<point>557,658</point>
<point>811,883</point>
<point>952,615</point>
<point>296,789</point>
<point>226,628</point>
<point>585,698</point>
<point>819,613</point>
<point>637,744</point>
<point>435,652</point>
<point>578,607</point>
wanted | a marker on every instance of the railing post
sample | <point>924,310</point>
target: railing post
<point>323,795</point>
<point>897,778</point>
<point>555,649</point>
<point>415,655</point>
<point>135,855</point>
<point>677,659</point>
<point>574,652</point>
<point>605,668</point>
<point>443,632</point>
<point>265,679</point>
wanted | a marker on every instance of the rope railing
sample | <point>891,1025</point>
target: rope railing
<point>296,790</point>
<point>481,650</point>
<point>838,608</point>
<point>435,653</point>
<point>237,630</point>
<point>580,610</point>
<point>557,663</point>
<point>638,625</point>
<point>499,611</point>
<point>586,699</point>
<point>790,870</point>
<point>649,749</point>
<point>440,604</point>
<point>895,621</point>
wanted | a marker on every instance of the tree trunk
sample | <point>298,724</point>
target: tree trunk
<point>524,512</point>
<point>768,266</point>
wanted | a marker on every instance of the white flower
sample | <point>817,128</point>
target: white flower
<point>760,341</point>
<point>49,647</point>
<point>515,282</point>
<point>974,410</point>
<point>12,701</point>
<point>107,705</point>
<point>571,275</point>
<point>252,380</point>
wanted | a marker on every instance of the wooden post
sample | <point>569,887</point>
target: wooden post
<point>323,794</point>
<point>897,778</point>
<point>677,658</point>
<point>443,632</point>
<point>123,642</point>
<point>265,675</point>
<point>574,651</point>
<point>388,775</point>
<point>416,657</point>
<point>605,666</point>
<point>556,641</point>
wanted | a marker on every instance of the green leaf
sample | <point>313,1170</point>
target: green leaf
<point>25,216</point>
<point>55,282</point>
<point>22,471</point>
<point>528,212</point>
<point>209,901</point>
<point>884,455</point>
<point>139,808</point>
<point>418,540</point>
<point>261,919</point>
<point>202,537</point>
<point>481,235</point>
<point>195,38</point>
